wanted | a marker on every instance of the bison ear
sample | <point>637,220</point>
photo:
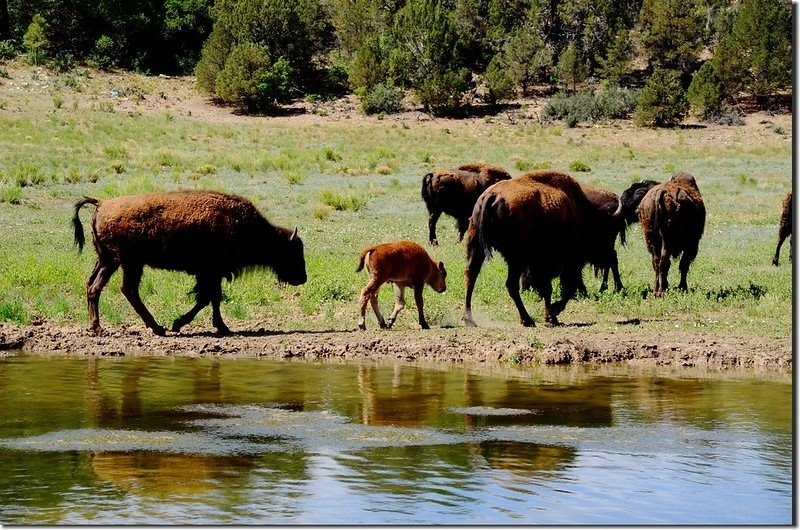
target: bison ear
<point>441,266</point>
<point>294,235</point>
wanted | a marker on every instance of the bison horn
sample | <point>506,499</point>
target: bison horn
<point>294,234</point>
<point>618,213</point>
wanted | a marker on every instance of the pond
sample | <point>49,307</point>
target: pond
<point>152,440</point>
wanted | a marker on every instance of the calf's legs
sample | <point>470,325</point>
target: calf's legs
<point>433,217</point>
<point>369,295</point>
<point>399,304</point>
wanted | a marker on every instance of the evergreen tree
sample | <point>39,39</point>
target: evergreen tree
<point>756,55</point>
<point>571,68</point>
<point>617,62</point>
<point>35,39</point>
<point>524,57</point>
<point>706,93</point>
<point>672,32</point>
<point>662,101</point>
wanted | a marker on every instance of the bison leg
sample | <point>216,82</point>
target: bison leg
<point>418,299</point>
<point>462,224</point>
<point>216,299</point>
<point>98,279</point>
<point>662,277</point>
<point>433,217</point>
<point>369,295</point>
<point>570,281</point>
<point>776,259</point>
<point>131,276</point>
<point>512,285</point>
<point>686,260</point>
<point>202,299</point>
<point>615,271</point>
<point>475,258</point>
<point>399,304</point>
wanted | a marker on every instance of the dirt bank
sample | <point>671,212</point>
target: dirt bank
<point>539,345</point>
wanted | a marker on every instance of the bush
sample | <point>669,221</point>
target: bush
<point>382,99</point>
<point>240,81</point>
<point>442,94</point>
<point>274,84</point>
<point>499,84</point>
<point>105,52</point>
<point>35,39</point>
<point>610,103</point>
<point>7,50</point>
<point>706,93</point>
<point>726,116</point>
<point>662,102</point>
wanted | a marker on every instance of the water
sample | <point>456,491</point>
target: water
<point>246,441</point>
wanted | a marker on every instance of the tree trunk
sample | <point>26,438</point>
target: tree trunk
<point>5,23</point>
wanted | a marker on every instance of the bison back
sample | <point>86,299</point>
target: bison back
<point>189,230</point>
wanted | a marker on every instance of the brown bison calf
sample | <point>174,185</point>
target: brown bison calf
<point>785,228</point>
<point>405,264</point>
<point>207,234</point>
<point>673,218</point>
<point>454,192</point>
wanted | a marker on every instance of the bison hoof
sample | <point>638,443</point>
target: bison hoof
<point>159,330</point>
<point>529,323</point>
<point>425,326</point>
<point>97,331</point>
<point>434,242</point>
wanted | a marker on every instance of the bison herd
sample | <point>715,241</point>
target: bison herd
<point>544,223</point>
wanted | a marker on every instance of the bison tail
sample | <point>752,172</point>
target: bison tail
<point>659,212</point>
<point>80,239</point>
<point>481,221</point>
<point>427,188</point>
<point>362,257</point>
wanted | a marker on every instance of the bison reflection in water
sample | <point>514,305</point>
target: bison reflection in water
<point>673,218</point>
<point>784,229</point>
<point>207,234</point>
<point>541,221</point>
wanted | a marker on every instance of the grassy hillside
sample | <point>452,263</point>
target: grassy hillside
<point>347,182</point>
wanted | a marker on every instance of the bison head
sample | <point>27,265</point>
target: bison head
<point>290,263</point>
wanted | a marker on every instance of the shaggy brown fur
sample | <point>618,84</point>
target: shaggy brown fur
<point>405,264</point>
<point>606,257</point>
<point>673,219</point>
<point>542,221</point>
<point>785,229</point>
<point>207,234</point>
<point>454,192</point>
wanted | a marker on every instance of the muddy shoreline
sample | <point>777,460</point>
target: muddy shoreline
<point>517,346</point>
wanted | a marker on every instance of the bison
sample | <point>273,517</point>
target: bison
<point>405,264</point>
<point>542,221</point>
<point>207,234</point>
<point>785,228</point>
<point>631,198</point>
<point>454,192</point>
<point>673,218</point>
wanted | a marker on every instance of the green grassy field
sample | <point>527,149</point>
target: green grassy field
<point>350,184</point>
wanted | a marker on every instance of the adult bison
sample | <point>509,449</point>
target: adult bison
<point>784,229</point>
<point>454,192</point>
<point>673,218</point>
<point>607,200</point>
<point>541,221</point>
<point>207,234</point>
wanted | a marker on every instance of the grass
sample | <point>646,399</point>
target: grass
<point>346,187</point>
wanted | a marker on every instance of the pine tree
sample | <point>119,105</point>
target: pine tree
<point>756,56</point>
<point>672,32</point>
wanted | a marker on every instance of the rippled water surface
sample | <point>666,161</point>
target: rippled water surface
<point>245,441</point>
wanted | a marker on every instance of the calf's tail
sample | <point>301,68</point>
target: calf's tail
<point>362,257</point>
<point>80,240</point>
